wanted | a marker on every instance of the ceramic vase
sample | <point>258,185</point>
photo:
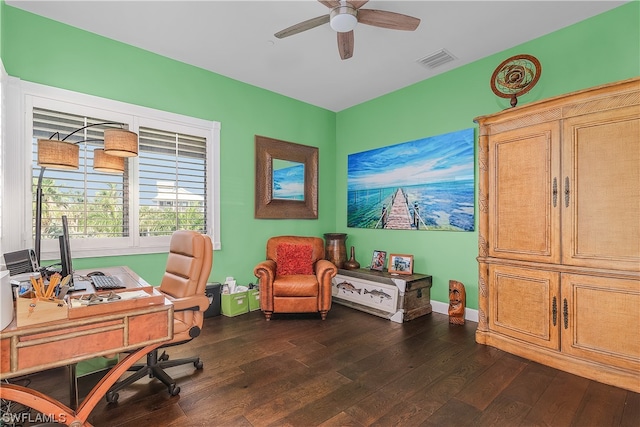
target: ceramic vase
<point>352,264</point>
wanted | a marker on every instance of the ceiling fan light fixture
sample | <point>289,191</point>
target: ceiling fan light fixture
<point>343,19</point>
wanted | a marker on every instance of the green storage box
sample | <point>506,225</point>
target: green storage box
<point>235,304</point>
<point>254,299</point>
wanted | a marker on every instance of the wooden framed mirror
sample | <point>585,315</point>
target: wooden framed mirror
<point>286,180</point>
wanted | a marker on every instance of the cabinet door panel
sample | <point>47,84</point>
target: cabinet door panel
<point>601,164</point>
<point>603,322</point>
<point>525,221</point>
<point>525,304</point>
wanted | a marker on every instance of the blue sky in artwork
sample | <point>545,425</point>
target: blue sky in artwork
<point>441,158</point>
<point>288,182</point>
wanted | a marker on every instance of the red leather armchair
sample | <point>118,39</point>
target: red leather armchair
<point>295,277</point>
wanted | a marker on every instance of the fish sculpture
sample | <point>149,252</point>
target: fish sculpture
<point>346,286</point>
<point>377,293</point>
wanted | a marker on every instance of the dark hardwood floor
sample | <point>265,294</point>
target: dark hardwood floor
<point>355,369</point>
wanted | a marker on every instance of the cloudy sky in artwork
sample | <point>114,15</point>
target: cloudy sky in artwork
<point>288,181</point>
<point>441,158</point>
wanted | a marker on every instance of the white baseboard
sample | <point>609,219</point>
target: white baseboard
<point>470,314</point>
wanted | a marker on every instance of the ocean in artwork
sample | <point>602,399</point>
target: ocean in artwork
<point>288,180</point>
<point>427,184</point>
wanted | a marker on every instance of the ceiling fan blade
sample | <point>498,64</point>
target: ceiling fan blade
<point>302,26</point>
<point>330,4</point>
<point>345,44</point>
<point>357,4</point>
<point>386,19</point>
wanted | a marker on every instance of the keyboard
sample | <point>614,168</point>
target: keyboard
<point>106,282</point>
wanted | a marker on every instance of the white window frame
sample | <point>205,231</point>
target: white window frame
<point>17,153</point>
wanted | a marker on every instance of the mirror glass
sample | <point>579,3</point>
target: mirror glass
<point>288,180</point>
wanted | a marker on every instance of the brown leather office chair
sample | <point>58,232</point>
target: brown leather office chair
<point>184,283</point>
<point>295,278</point>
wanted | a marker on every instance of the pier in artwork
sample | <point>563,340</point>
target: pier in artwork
<point>397,215</point>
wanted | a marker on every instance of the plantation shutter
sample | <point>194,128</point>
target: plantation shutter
<point>93,202</point>
<point>172,182</point>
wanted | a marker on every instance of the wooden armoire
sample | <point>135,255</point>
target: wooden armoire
<point>559,235</point>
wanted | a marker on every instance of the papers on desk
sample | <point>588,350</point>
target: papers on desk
<point>123,300</point>
<point>133,294</point>
<point>105,298</point>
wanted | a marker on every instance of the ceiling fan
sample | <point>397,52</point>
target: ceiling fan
<point>343,18</point>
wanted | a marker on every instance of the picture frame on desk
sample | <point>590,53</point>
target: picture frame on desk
<point>401,264</point>
<point>378,260</point>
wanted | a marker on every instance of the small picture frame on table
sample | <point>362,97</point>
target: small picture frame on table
<point>401,264</point>
<point>378,260</point>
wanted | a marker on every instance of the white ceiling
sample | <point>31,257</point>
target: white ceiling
<point>235,39</point>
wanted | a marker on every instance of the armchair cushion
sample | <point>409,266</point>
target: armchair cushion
<point>296,286</point>
<point>294,259</point>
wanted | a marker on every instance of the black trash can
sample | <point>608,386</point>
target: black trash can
<point>213,291</point>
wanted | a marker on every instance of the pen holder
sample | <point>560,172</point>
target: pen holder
<point>31,310</point>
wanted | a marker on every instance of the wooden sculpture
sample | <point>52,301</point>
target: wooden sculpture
<point>457,300</point>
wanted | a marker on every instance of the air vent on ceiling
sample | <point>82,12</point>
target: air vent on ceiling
<point>436,59</point>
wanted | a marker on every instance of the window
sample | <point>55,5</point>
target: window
<point>93,202</point>
<point>172,184</point>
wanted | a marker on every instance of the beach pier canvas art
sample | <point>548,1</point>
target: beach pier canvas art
<point>426,184</point>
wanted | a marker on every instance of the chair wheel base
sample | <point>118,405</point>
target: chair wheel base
<point>112,397</point>
<point>174,390</point>
<point>198,364</point>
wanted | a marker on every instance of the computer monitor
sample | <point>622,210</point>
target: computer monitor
<point>65,257</point>
<point>65,249</point>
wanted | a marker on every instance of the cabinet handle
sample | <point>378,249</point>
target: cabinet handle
<point>566,192</point>
<point>555,311</point>
<point>565,313</point>
<point>555,192</point>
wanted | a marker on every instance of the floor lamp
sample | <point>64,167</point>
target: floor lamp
<point>60,154</point>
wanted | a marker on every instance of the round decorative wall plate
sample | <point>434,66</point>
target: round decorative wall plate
<point>515,76</point>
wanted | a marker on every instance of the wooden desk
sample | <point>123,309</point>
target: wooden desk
<point>44,346</point>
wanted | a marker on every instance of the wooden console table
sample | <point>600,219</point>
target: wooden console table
<point>38,347</point>
<point>397,297</point>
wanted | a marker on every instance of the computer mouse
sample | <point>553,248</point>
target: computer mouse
<point>95,273</point>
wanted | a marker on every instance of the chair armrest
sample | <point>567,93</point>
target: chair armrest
<point>194,303</point>
<point>325,271</point>
<point>325,267</point>
<point>266,274</point>
<point>266,271</point>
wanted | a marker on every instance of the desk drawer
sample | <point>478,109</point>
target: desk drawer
<point>149,327</point>
<point>70,347</point>
<point>39,347</point>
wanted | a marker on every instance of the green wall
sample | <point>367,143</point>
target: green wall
<point>44,51</point>
<point>601,49</point>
